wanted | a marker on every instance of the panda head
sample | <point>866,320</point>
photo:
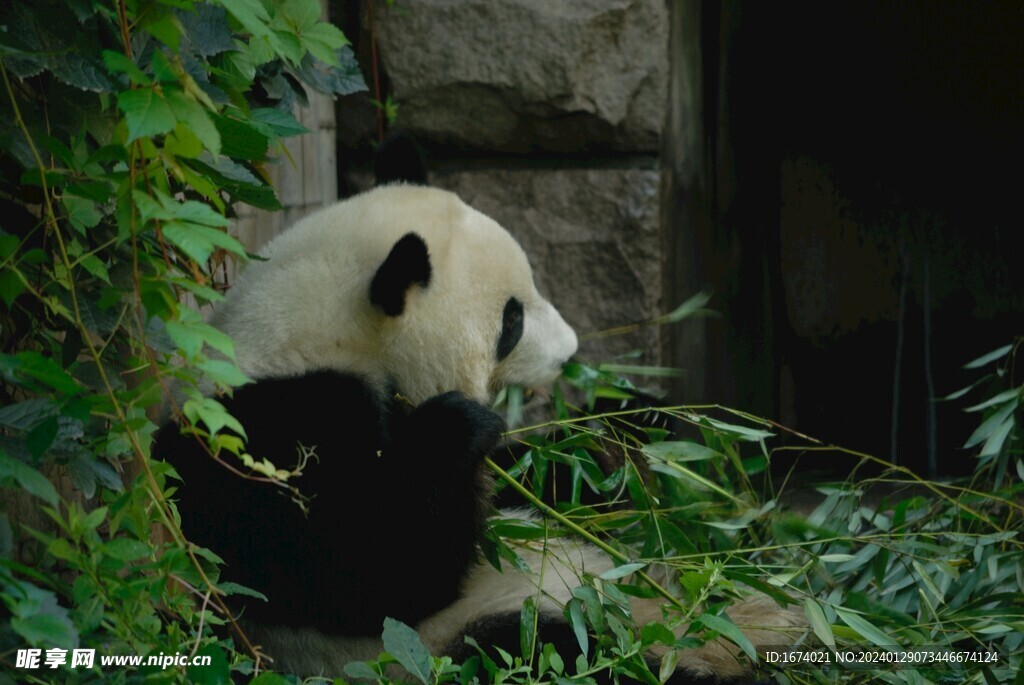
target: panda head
<point>405,286</point>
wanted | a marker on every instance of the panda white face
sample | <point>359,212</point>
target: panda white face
<point>480,315</point>
<point>407,287</point>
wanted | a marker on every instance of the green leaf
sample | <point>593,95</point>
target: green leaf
<point>12,284</point>
<point>8,244</point>
<point>622,571</point>
<point>223,172</point>
<point>816,617</point>
<point>38,618</point>
<point>42,369</point>
<point>191,114</point>
<point>579,625</point>
<point>557,665</point>
<point>127,549</point>
<point>190,335</point>
<point>864,628</point>
<point>239,139</point>
<point>217,672</point>
<point>517,529</point>
<point>94,518</point>
<point>680,451</point>
<point>740,432</point>
<point>223,373</point>
<point>212,414</point>
<point>992,425</point>
<point>94,266</point>
<point>229,588</point>
<point>657,632</point>
<point>724,626</point>
<point>669,661</point>
<point>287,45</point>
<point>527,626</point>
<point>47,630</point>
<point>652,371</point>
<point>990,357</point>
<point>41,437</point>
<point>119,63</point>
<point>994,444</point>
<point>82,213</point>
<point>197,212</point>
<point>297,15</point>
<point>675,470</point>
<point>333,81</point>
<point>274,123</point>
<point>360,670</point>
<point>404,644</point>
<point>182,142</point>
<point>95,191</point>
<point>199,242</point>
<point>1004,396</point>
<point>835,558</point>
<point>24,416</point>
<point>146,113</point>
<point>250,14</point>
<point>83,71</point>
<point>592,604</point>
<point>207,31</point>
<point>691,307</point>
<point>323,40</point>
<point>28,479</point>
<point>166,29</point>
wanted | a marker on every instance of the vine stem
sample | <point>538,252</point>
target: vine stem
<point>580,531</point>
<point>122,20</point>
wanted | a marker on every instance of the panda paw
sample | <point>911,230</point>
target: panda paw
<point>452,419</point>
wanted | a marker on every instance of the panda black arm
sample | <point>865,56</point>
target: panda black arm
<point>439,493</point>
<point>440,447</point>
<point>390,528</point>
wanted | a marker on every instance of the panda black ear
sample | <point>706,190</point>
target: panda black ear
<point>408,263</point>
<point>399,160</point>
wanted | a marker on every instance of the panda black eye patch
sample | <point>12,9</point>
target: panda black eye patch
<point>511,328</point>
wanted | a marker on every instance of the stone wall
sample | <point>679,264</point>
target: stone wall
<point>548,116</point>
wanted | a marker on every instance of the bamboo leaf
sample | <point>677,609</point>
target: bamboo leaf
<point>724,626</point>
<point>992,424</point>
<point>864,628</point>
<point>816,617</point>
<point>1004,396</point>
<point>990,357</point>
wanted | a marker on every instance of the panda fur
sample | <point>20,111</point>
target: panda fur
<point>377,331</point>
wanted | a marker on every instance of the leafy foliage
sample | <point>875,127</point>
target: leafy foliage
<point>128,130</point>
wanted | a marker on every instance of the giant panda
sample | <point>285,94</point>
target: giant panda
<point>376,333</point>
